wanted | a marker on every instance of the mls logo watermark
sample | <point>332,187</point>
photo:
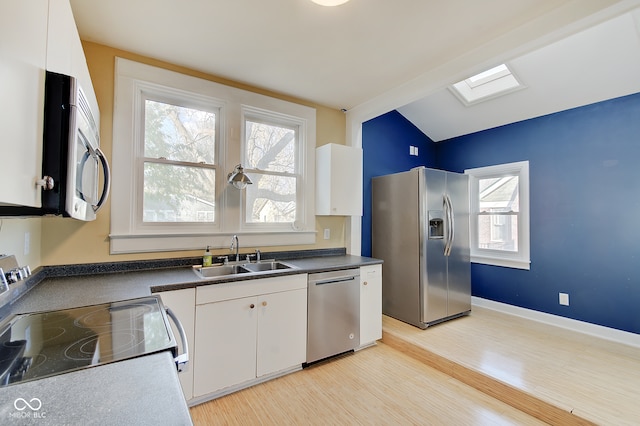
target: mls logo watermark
<point>30,409</point>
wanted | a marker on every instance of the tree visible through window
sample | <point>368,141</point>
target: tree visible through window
<point>270,155</point>
<point>179,163</point>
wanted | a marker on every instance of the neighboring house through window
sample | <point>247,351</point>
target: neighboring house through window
<point>499,199</point>
<point>176,138</point>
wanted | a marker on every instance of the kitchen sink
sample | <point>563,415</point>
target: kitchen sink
<point>266,266</point>
<point>240,268</point>
<point>220,270</point>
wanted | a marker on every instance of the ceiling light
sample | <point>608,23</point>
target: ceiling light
<point>238,179</point>
<point>330,2</point>
<point>486,85</point>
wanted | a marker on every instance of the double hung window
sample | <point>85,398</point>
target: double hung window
<point>500,214</point>
<point>175,140</point>
<point>178,164</point>
<point>271,146</point>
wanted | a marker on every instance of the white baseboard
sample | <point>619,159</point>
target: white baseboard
<point>607,333</point>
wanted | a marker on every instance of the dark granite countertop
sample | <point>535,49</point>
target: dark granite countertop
<point>62,292</point>
<point>139,391</point>
<point>142,390</point>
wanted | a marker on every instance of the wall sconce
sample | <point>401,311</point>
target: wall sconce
<point>238,179</point>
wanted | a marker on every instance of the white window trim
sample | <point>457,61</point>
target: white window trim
<point>126,237</point>
<point>520,259</point>
<point>249,113</point>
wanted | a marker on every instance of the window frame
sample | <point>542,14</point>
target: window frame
<point>519,259</point>
<point>127,235</point>
<point>146,91</point>
<point>299,126</point>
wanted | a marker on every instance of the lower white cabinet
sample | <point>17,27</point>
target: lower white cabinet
<point>183,303</point>
<point>248,329</point>
<point>243,332</point>
<point>370,304</point>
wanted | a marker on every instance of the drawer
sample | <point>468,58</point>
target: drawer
<point>247,288</point>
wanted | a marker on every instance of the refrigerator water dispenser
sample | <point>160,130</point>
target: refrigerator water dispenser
<point>436,225</point>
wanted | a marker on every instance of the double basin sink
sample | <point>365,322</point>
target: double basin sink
<point>225,270</point>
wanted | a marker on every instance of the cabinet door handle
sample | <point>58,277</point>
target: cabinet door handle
<point>252,306</point>
<point>365,283</point>
<point>264,303</point>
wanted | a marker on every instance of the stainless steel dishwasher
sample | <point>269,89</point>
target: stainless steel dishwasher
<point>333,318</point>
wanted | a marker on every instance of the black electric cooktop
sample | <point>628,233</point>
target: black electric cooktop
<point>43,344</point>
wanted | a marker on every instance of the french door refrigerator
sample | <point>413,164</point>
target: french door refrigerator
<point>420,228</point>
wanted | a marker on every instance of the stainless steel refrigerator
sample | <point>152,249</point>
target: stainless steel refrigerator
<point>420,228</point>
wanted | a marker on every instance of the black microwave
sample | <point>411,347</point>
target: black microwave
<point>72,160</point>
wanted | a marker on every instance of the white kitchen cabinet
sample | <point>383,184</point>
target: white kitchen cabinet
<point>65,54</point>
<point>246,330</point>
<point>183,304</point>
<point>35,36</point>
<point>282,331</point>
<point>23,42</point>
<point>338,180</point>
<point>370,304</point>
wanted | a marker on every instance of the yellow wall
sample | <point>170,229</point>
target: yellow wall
<point>66,241</point>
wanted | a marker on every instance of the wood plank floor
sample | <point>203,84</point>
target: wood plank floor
<point>591,378</point>
<point>558,375</point>
<point>375,386</point>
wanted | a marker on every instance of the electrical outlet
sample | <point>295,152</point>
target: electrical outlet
<point>327,233</point>
<point>563,299</point>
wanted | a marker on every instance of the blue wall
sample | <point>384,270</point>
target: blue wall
<point>585,210</point>
<point>385,144</point>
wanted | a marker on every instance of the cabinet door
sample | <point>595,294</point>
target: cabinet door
<point>282,331</point>
<point>23,43</point>
<point>370,304</point>
<point>62,35</point>
<point>335,165</point>
<point>183,304</point>
<point>65,54</point>
<point>225,344</point>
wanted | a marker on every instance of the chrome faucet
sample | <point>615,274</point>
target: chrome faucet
<point>235,244</point>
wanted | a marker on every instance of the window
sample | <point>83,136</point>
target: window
<point>500,214</point>
<point>486,85</point>
<point>271,151</point>
<point>176,138</point>
<point>178,163</point>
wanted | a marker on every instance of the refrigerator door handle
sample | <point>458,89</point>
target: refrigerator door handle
<point>450,225</point>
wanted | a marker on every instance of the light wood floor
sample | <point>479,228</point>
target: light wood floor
<point>560,376</point>
<point>545,368</point>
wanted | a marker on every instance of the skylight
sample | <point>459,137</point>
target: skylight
<point>486,85</point>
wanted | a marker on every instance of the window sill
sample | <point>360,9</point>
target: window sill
<point>147,243</point>
<point>497,261</point>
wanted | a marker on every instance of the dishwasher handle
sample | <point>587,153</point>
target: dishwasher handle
<point>333,280</point>
<point>183,359</point>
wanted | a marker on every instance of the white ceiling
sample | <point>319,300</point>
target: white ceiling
<point>596,64</point>
<point>352,55</point>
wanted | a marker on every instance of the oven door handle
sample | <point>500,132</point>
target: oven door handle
<point>182,359</point>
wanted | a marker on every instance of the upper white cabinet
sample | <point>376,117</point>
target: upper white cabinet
<point>338,180</point>
<point>35,36</point>
<point>64,49</point>
<point>23,42</point>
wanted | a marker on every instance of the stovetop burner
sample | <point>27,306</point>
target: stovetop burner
<point>43,344</point>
